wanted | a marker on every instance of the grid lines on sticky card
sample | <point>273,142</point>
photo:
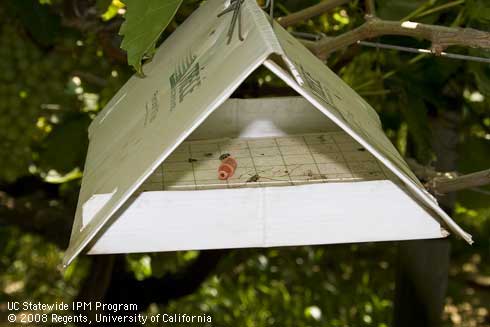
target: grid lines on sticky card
<point>272,161</point>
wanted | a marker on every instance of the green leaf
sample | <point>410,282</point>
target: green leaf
<point>145,22</point>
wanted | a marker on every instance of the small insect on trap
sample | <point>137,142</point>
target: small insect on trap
<point>173,164</point>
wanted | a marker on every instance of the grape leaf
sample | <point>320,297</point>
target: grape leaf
<point>144,23</point>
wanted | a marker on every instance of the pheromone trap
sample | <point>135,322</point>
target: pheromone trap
<point>314,169</point>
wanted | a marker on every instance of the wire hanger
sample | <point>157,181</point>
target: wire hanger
<point>427,51</point>
<point>235,7</point>
<point>269,4</point>
<point>316,37</point>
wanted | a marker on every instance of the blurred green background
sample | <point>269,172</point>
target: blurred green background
<point>60,63</point>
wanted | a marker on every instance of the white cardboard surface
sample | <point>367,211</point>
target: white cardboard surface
<point>275,216</point>
<point>149,117</point>
<point>327,92</point>
<point>192,73</point>
<point>264,217</point>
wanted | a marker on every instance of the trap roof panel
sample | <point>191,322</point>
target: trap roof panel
<point>193,72</point>
<point>332,96</point>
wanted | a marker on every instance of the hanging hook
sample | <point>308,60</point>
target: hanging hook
<point>235,7</point>
<point>269,4</point>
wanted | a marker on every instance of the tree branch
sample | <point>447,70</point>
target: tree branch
<point>424,173</point>
<point>440,36</point>
<point>442,183</point>
<point>447,184</point>
<point>310,12</point>
<point>370,8</point>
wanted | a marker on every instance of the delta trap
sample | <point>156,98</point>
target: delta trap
<point>313,169</point>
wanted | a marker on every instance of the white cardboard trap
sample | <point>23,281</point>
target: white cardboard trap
<point>192,74</point>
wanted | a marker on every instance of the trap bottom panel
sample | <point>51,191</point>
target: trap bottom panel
<point>321,213</point>
<point>271,161</point>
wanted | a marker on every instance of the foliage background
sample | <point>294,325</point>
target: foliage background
<point>60,62</point>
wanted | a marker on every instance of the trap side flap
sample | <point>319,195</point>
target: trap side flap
<point>192,73</point>
<point>331,95</point>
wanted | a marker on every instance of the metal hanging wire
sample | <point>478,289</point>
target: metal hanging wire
<point>316,37</point>
<point>269,4</point>
<point>426,51</point>
<point>234,7</point>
